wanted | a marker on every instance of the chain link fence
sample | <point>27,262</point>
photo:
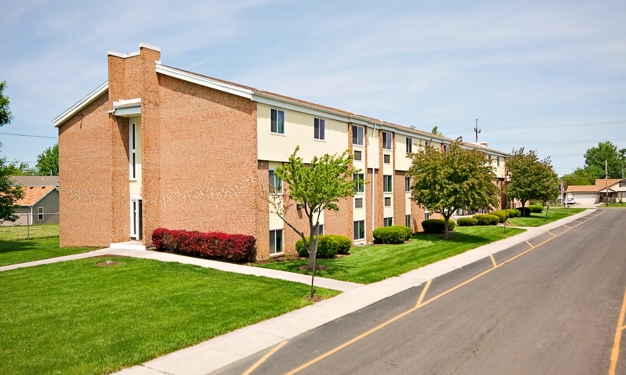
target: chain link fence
<point>30,226</point>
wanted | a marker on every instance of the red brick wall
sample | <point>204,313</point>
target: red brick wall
<point>399,199</point>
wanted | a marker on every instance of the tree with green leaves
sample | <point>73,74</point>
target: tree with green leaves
<point>436,131</point>
<point>9,193</point>
<point>595,159</point>
<point>446,181</point>
<point>313,188</point>
<point>48,161</point>
<point>531,178</point>
<point>581,176</point>
<point>5,112</point>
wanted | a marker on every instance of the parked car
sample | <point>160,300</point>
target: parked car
<point>569,201</point>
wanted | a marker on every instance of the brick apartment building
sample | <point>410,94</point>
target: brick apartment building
<point>156,146</point>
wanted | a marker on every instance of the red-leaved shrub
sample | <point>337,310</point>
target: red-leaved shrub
<point>234,247</point>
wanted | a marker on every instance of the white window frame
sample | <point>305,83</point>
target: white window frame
<point>358,200</point>
<point>272,110</point>
<point>387,199</point>
<point>273,233</point>
<point>386,159</point>
<point>40,213</point>
<point>426,215</point>
<point>360,153</point>
<point>409,145</point>
<point>319,129</point>
<point>387,137</point>
<point>407,220</point>
<point>361,230</point>
<point>275,184</point>
<point>132,153</point>
<point>387,183</point>
<point>359,187</point>
<point>358,135</point>
<point>321,232</point>
<point>407,184</point>
<point>388,222</point>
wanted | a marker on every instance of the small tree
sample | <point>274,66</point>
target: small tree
<point>5,112</point>
<point>48,161</point>
<point>531,178</point>
<point>313,188</point>
<point>9,193</point>
<point>447,181</point>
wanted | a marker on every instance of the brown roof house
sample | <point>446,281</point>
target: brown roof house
<point>40,204</point>
<point>590,195</point>
<point>156,146</point>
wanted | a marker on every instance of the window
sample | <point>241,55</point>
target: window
<point>359,186</point>
<point>426,215</point>
<point>278,121</point>
<point>426,143</point>
<point>407,221</point>
<point>387,159</point>
<point>357,135</point>
<point>359,229</point>
<point>388,222</point>
<point>407,184</point>
<point>319,129</point>
<point>387,202</point>
<point>358,202</point>
<point>276,241</point>
<point>446,148</point>
<point>133,150</point>
<point>387,140</point>
<point>498,161</point>
<point>409,145</point>
<point>387,183</point>
<point>276,185</point>
<point>358,155</point>
<point>321,230</point>
<point>39,213</point>
<point>489,158</point>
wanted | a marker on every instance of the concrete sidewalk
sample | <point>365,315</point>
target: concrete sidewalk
<point>221,351</point>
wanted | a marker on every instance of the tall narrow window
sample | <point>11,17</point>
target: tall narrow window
<point>319,129</point>
<point>407,184</point>
<point>278,121</point>
<point>276,241</point>
<point>359,183</point>
<point>133,151</point>
<point>40,213</point>
<point>409,145</point>
<point>426,215</point>
<point>359,229</point>
<point>387,140</point>
<point>357,135</point>
<point>446,148</point>
<point>498,161</point>
<point>387,183</point>
<point>407,221</point>
<point>276,184</point>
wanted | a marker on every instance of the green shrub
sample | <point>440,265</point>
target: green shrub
<point>486,219</point>
<point>326,247</point>
<point>391,235</point>
<point>436,225</point>
<point>513,212</point>
<point>343,243</point>
<point>408,231</point>
<point>501,214</point>
<point>535,208</point>
<point>466,221</point>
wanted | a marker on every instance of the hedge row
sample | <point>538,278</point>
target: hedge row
<point>234,247</point>
<point>535,208</point>
<point>436,225</point>
<point>501,214</point>
<point>392,234</point>
<point>513,212</point>
<point>327,246</point>
<point>466,221</point>
<point>487,219</point>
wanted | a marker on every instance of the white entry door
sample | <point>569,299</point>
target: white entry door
<point>135,218</point>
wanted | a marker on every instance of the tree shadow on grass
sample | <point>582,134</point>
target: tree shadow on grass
<point>454,237</point>
<point>12,246</point>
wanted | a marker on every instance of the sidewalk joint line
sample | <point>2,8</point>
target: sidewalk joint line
<point>264,358</point>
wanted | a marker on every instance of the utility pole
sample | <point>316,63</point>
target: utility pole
<point>476,130</point>
<point>606,180</point>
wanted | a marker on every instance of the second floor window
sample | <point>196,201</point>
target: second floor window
<point>278,121</point>
<point>276,184</point>
<point>319,129</point>
<point>407,184</point>
<point>387,183</point>
<point>359,183</point>
<point>357,135</point>
<point>387,140</point>
<point>409,145</point>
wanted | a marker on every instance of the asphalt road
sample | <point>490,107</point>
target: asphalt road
<point>547,307</point>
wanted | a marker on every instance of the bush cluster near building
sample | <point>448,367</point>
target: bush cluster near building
<point>436,225</point>
<point>327,246</point>
<point>392,234</point>
<point>217,245</point>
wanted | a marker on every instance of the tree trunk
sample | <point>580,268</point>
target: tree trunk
<point>445,225</point>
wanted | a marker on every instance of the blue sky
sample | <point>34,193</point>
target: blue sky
<point>547,76</point>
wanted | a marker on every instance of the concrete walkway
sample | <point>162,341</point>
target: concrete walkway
<point>221,351</point>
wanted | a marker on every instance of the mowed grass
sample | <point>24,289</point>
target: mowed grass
<point>80,318</point>
<point>372,263</point>
<point>13,252</point>
<point>23,232</point>
<point>537,220</point>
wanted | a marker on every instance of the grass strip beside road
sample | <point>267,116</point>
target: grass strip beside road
<point>372,263</point>
<point>539,219</point>
<point>14,252</point>
<point>79,317</point>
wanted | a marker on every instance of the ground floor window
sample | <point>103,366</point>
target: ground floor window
<point>39,213</point>
<point>426,215</point>
<point>276,241</point>
<point>388,221</point>
<point>408,221</point>
<point>321,229</point>
<point>359,229</point>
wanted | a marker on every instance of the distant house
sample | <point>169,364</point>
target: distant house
<point>587,195</point>
<point>40,204</point>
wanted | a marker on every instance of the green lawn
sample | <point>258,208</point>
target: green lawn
<point>623,204</point>
<point>537,220</point>
<point>23,232</point>
<point>13,252</point>
<point>372,263</point>
<point>78,318</point>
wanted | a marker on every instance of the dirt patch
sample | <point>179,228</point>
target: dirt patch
<point>315,299</point>
<point>107,263</point>
<point>317,268</point>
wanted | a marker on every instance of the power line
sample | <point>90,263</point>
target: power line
<point>586,140</point>
<point>498,128</point>
<point>29,135</point>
